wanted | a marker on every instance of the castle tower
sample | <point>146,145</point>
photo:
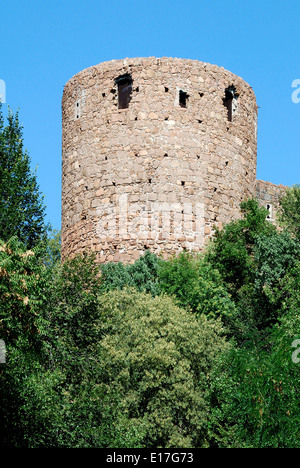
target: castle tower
<point>155,153</point>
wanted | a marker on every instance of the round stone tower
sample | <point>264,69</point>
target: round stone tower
<point>155,152</point>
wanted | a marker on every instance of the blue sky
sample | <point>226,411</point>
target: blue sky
<point>44,43</point>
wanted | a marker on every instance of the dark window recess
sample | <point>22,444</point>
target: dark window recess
<point>230,97</point>
<point>124,83</point>
<point>182,183</point>
<point>78,110</point>
<point>183,98</point>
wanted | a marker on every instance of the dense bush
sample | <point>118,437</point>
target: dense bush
<point>159,358</point>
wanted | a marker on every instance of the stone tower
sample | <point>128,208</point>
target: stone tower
<point>155,153</point>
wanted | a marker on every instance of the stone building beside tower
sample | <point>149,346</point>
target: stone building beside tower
<point>155,153</point>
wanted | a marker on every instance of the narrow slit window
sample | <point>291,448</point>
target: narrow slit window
<point>183,98</point>
<point>230,101</point>
<point>124,83</point>
<point>77,110</point>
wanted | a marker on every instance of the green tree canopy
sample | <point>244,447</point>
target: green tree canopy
<point>21,206</point>
<point>158,358</point>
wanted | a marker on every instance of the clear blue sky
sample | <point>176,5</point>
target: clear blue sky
<point>44,43</point>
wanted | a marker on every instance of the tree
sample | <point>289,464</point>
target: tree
<point>24,327</point>
<point>158,358</point>
<point>231,251</point>
<point>21,206</point>
<point>142,275</point>
<point>257,383</point>
<point>196,284</point>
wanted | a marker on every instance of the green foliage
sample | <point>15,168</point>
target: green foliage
<point>21,207</point>
<point>159,358</point>
<point>258,391</point>
<point>50,248</point>
<point>195,284</point>
<point>141,275</point>
<point>257,384</point>
<point>231,251</point>
<point>24,327</point>
<point>22,290</point>
<point>191,352</point>
<point>290,210</point>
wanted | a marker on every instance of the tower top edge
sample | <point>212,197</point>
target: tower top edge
<point>128,63</point>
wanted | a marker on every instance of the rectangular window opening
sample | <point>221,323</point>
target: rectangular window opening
<point>183,98</point>
<point>229,100</point>
<point>124,83</point>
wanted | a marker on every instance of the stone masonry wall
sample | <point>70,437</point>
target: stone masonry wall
<point>162,172</point>
<point>269,196</point>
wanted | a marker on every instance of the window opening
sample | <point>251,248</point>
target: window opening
<point>230,101</point>
<point>124,83</point>
<point>269,208</point>
<point>183,98</point>
<point>78,110</point>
